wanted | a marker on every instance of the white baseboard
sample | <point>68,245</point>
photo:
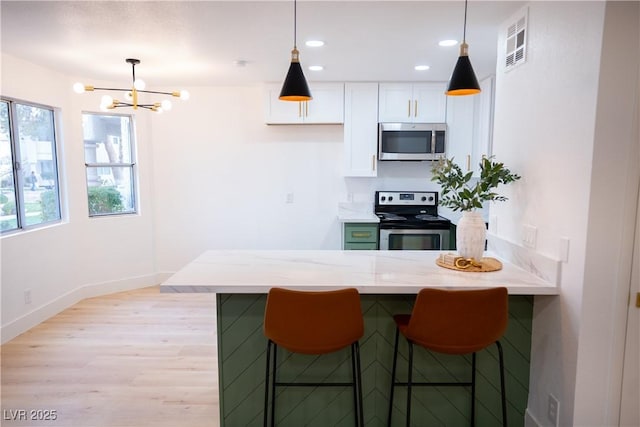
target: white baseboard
<point>530,420</point>
<point>51,308</point>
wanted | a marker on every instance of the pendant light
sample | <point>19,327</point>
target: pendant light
<point>463,80</point>
<point>295,85</point>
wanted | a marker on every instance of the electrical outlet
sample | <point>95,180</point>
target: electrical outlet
<point>289,198</point>
<point>27,296</point>
<point>350,197</point>
<point>553,410</point>
<point>529,233</point>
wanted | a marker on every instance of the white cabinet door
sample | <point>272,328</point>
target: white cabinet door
<point>360,129</point>
<point>483,122</point>
<point>395,102</point>
<point>429,102</point>
<point>470,127</point>
<point>326,107</point>
<point>280,112</point>
<point>412,102</point>
<point>460,111</point>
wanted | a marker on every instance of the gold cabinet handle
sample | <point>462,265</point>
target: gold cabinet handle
<point>373,162</point>
<point>409,108</point>
<point>306,108</point>
<point>638,300</point>
<point>299,109</point>
<point>468,162</point>
<point>360,234</point>
<point>415,108</point>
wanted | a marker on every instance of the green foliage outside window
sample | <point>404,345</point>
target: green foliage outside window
<point>49,200</point>
<point>104,200</point>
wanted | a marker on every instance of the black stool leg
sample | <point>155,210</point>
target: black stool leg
<point>357,383</point>
<point>409,379</point>
<point>502,387</point>
<point>473,390</point>
<point>393,376</point>
<point>266,386</point>
<point>273,386</point>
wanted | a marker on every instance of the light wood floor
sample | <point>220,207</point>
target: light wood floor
<point>130,359</point>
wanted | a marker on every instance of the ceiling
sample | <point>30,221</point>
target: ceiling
<point>197,43</point>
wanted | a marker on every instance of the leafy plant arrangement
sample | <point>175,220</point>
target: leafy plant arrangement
<point>457,191</point>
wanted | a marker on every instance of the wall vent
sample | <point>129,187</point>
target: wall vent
<point>516,42</point>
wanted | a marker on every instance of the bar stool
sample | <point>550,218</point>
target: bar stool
<point>313,323</point>
<point>453,322</point>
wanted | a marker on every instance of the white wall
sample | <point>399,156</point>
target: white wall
<point>82,256</point>
<point>555,124</point>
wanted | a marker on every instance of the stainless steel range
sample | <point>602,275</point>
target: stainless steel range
<point>410,221</point>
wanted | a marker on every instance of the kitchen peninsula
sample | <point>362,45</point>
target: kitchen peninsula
<point>388,282</point>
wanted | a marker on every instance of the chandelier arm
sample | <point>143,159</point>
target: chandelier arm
<point>111,88</point>
<point>156,92</point>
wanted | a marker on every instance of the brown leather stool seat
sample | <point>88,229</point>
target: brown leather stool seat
<point>313,323</point>
<point>453,322</point>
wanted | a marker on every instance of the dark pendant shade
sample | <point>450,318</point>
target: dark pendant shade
<point>463,80</point>
<point>295,86</point>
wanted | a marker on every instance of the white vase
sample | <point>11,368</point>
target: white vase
<point>471,234</point>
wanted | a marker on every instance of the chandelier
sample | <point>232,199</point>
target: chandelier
<point>131,95</point>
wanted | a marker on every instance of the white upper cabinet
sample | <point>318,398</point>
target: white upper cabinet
<point>483,122</point>
<point>470,127</point>
<point>360,129</point>
<point>412,102</point>
<point>460,130</point>
<point>326,107</point>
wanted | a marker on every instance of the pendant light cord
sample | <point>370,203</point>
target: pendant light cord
<point>295,19</point>
<point>464,30</point>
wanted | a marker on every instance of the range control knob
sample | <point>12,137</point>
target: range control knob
<point>390,198</point>
<point>431,198</point>
<point>424,198</point>
<point>383,198</point>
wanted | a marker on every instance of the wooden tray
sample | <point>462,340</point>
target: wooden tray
<point>486,264</point>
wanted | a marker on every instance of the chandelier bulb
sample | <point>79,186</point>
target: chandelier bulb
<point>166,105</point>
<point>78,87</point>
<point>106,100</point>
<point>139,84</point>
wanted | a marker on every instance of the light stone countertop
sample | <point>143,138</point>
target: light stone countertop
<point>371,272</point>
<point>356,212</point>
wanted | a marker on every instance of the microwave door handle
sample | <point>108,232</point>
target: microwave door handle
<point>433,142</point>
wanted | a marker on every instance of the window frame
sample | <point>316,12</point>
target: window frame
<point>17,165</point>
<point>132,165</point>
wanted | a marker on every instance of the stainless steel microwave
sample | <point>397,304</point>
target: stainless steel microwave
<point>411,141</point>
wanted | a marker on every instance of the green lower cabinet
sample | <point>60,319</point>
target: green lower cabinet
<point>360,236</point>
<point>360,246</point>
<point>241,354</point>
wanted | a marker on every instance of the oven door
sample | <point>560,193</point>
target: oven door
<point>414,239</point>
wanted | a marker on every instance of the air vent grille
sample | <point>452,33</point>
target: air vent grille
<point>516,43</point>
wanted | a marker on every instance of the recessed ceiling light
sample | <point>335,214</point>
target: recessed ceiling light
<point>316,67</point>
<point>447,43</point>
<point>314,43</point>
<point>421,67</point>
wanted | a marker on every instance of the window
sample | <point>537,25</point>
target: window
<point>29,190</point>
<point>110,162</point>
